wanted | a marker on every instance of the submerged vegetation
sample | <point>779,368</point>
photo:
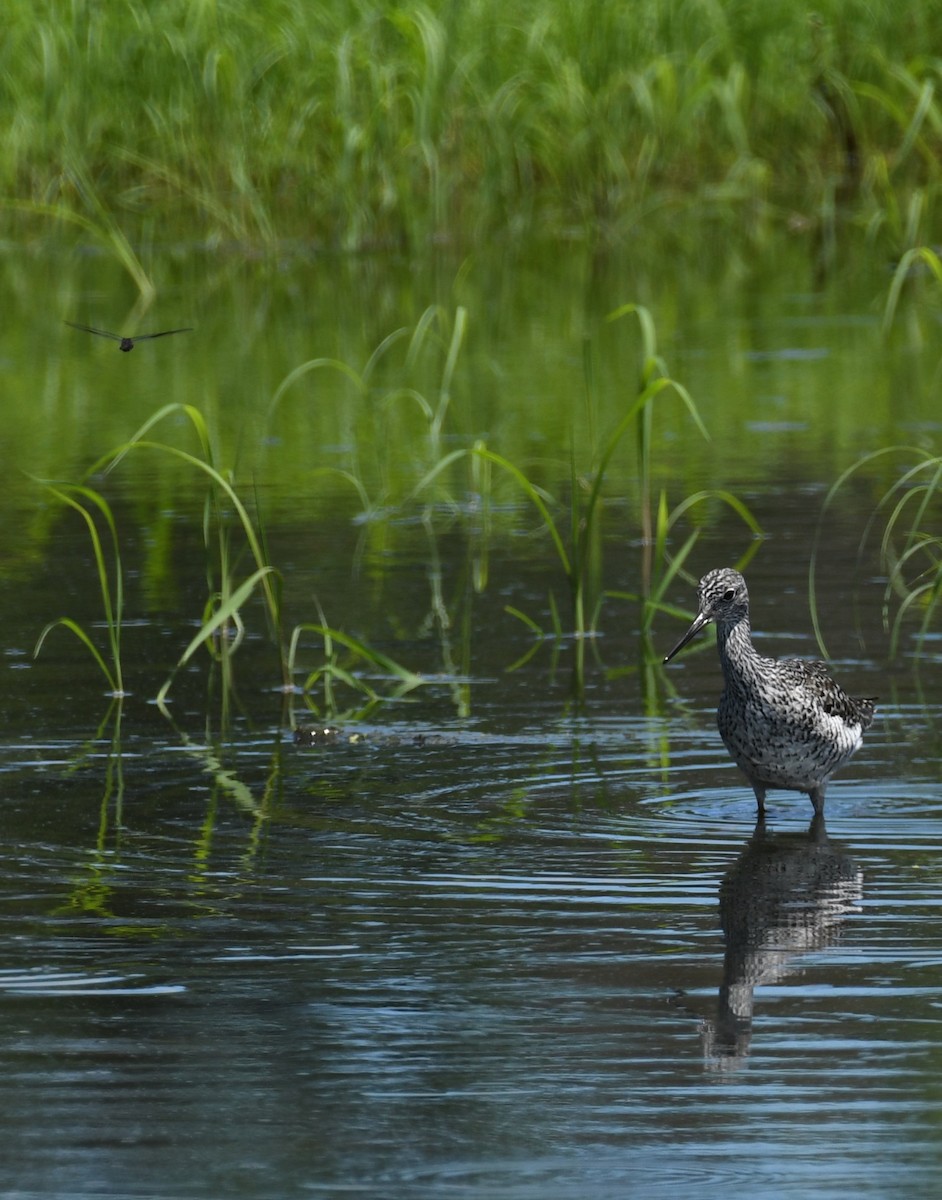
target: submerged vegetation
<point>350,125</point>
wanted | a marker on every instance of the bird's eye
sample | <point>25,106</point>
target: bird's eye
<point>729,593</point>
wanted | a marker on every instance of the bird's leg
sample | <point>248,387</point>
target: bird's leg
<point>816,796</point>
<point>760,798</point>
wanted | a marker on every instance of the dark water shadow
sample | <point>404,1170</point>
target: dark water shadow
<point>786,895</point>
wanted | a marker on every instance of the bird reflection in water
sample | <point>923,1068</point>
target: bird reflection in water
<point>786,895</point>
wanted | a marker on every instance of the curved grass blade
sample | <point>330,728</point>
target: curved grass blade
<point>902,273</point>
<point>331,671</point>
<point>74,627</point>
<point>370,655</point>
<point>314,364</point>
<point>265,572</point>
<point>833,491</point>
<point>435,471</point>
<point>534,495</point>
<point>113,607</point>
<point>226,611</point>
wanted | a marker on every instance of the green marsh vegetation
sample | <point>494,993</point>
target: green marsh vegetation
<point>904,522</point>
<point>391,445</point>
<point>95,512</point>
<point>352,125</point>
<point>905,516</point>
<point>286,125</point>
<point>466,487</point>
<point>577,538</point>
<point>233,533</point>
<point>461,484</point>
<point>612,485</point>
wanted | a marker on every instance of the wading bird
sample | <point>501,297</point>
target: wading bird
<point>785,722</point>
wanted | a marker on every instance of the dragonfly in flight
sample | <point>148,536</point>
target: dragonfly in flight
<point>127,343</point>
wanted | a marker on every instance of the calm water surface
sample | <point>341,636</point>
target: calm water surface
<point>515,938</point>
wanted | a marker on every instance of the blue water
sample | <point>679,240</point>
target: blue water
<point>474,968</point>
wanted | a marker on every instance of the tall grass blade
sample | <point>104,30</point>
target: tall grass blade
<point>534,494</point>
<point>79,498</point>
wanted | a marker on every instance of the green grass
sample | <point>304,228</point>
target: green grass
<point>577,548</point>
<point>354,124</point>
<point>910,545</point>
<point>448,487</point>
<point>342,684</point>
<point>907,510</point>
<point>220,629</point>
<point>574,524</point>
<point>232,533</point>
<point>95,510</point>
<point>406,446</point>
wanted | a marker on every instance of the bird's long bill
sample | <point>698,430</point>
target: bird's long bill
<point>698,622</point>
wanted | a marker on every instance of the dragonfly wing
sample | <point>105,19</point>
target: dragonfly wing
<point>91,329</point>
<point>144,337</point>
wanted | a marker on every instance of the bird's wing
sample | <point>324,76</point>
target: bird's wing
<point>816,676</point>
